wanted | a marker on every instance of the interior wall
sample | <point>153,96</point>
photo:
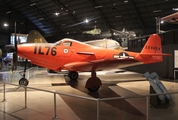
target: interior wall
<point>164,69</point>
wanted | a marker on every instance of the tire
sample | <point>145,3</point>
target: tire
<point>23,81</point>
<point>51,71</point>
<point>73,75</point>
<point>94,89</point>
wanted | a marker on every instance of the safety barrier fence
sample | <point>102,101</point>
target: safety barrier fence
<point>98,100</point>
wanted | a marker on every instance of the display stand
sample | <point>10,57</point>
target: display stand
<point>155,101</point>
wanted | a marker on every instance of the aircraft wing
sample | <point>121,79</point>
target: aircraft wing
<point>153,54</point>
<point>172,18</point>
<point>102,63</point>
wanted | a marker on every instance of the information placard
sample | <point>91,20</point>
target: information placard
<point>175,58</point>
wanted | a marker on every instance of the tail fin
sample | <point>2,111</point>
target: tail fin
<point>152,51</point>
<point>153,45</point>
<point>35,37</point>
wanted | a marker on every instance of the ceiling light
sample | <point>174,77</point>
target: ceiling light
<point>99,6</point>
<point>162,21</point>
<point>32,4</point>
<point>8,12</point>
<point>73,12</point>
<point>157,10</point>
<point>56,13</point>
<point>126,1</point>
<point>40,19</point>
<point>86,21</point>
<point>5,24</point>
<point>175,9</point>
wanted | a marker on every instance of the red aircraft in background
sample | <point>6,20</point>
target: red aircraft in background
<point>75,56</point>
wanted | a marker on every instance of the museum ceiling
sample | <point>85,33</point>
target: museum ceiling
<point>70,18</point>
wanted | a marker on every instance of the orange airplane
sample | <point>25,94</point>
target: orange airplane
<point>75,56</point>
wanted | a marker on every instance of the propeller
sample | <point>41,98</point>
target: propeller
<point>14,61</point>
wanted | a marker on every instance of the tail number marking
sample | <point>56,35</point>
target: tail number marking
<point>45,50</point>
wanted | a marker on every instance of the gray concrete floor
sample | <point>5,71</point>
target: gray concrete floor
<point>40,105</point>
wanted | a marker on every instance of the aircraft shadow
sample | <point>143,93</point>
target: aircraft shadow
<point>117,107</point>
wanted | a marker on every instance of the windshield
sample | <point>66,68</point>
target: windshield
<point>58,43</point>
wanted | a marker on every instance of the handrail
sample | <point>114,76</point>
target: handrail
<point>66,94</point>
<point>89,98</point>
<point>95,99</point>
<point>139,96</point>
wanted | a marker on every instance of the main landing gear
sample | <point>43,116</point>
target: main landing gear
<point>73,75</point>
<point>92,84</point>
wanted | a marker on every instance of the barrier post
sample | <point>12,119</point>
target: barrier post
<point>4,92</point>
<point>25,97</point>
<point>147,108</point>
<point>55,115</point>
<point>98,109</point>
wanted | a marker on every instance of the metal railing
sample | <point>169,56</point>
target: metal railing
<point>98,100</point>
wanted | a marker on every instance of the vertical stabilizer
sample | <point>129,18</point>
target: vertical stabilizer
<point>153,45</point>
<point>152,51</point>
<point>35,37</point>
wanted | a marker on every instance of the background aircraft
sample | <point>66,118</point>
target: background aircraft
<point>172,18</point>
<point>95,31</point>
<point>72,55</point>
<point>124,33</point>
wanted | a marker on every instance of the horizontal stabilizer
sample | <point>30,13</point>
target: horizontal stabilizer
<point>154,54</point>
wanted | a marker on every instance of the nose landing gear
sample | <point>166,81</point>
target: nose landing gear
<point>23,80</point>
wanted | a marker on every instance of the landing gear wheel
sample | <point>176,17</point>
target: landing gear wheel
<point>23,81</point>
<point>93,89</point>
<point>51,71</point>
<point>73,75</point>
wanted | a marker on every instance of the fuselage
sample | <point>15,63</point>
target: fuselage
<point>60,54</point>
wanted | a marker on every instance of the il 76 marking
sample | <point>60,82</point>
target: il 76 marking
<point>45,50</point>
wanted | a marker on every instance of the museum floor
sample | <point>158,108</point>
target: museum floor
<point>116,83</point>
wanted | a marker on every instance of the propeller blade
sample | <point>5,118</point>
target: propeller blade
<point>14,61</point>
<point>15,39</point>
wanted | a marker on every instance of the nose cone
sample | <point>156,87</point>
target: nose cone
<point>25,50</point>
